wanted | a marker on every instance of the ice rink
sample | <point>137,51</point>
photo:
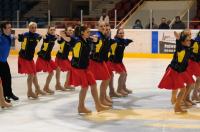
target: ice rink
<point>148,109</point>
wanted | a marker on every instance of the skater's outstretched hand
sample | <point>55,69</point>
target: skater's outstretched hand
<point>177,35</point>
<point>66,38</point>
<point>94,38</point>
<point>58,37</point>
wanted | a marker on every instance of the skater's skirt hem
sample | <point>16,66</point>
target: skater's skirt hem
<point>117,67</point>
<point>173,80</point>
<point>44,65</point>
<point>194,68</point>
<point>26,66</point>
<point>63,64</point>
<point>81,77</point>
<point>100,70</point>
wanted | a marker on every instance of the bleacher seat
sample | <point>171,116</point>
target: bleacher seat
<point>118,5</point>
<point>127,7</point>
<point>121,14</point>
<point>125,1</point>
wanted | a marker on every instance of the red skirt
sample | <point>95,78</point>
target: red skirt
<point>118,67</point>
<point>81,77</point>
<point>26,66</point>
<point>194,68</point>
<point>109,67</point>
<point>173,80</point>
<point>44,65</point>
<point>64,65</point>
<point>99,70</point>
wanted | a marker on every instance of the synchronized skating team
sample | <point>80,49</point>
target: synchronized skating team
<point>94,57</point>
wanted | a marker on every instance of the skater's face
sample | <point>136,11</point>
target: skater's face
<point>33,28</point>
<point>52,30</point>
<point>69,31</point>
<point>177,19</point>
<point>107,30</point>
<point>187,41</point>
<point>102,27</point>
<point>86,33</point>
<point>104,14</point>
<point>163,20</point>
<point>120,33</point>
<point>7,30</point>
<point>188,33</point>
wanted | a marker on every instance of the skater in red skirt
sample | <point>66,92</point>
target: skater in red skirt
<point>194,66</point>
<point>44,62</point>
<point>26,64</point>
<point>80,75</point>
<point>62,57</point>
<point>3,103</point>
<point>194,70</point>
<point>111,85</point>
<point>98,65</point>
<point>116,61</point>
<point>176,75</point>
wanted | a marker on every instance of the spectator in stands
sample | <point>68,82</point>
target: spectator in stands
<point>104,17</point>
<point>138,24</point>
<point>178,24</point>
<point>154,26</point>
<point>163,24</point>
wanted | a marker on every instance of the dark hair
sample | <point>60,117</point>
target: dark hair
<point>118,31</point>
<point>3,25</point>
<point>178,17</point>
<point>79,30</point>
<point>51,25</point>
<point>67,26</point>
<point>138,20</point>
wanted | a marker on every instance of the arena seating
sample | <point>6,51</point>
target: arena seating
<point>8,8</point>
<point>122,7</point>
<point>195,24</point>
<point>8,11</point>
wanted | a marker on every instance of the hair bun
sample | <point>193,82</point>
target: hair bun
<point>79,30</point>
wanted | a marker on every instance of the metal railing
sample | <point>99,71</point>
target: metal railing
<point>129,14</point>
<point>186,18</point>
